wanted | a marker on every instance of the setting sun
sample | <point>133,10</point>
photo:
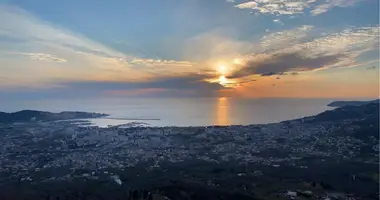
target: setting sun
<point>222,69</point>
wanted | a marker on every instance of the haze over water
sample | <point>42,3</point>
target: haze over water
<point>184,112</point>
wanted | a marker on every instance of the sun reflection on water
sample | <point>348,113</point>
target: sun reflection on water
<point>222,111</point>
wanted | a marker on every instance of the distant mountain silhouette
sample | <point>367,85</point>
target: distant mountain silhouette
<point>350,103</point>
<point>34,115</point>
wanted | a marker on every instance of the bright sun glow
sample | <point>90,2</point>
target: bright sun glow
<point>222,69</point>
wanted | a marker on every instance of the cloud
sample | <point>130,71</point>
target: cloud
<point>74,64</point>
<point>294,7</point>
<point>185,86</point>
<point>297,50</point>
<point>165,67</point>
<point>281,63</point>
<point>268,73</point>
<point>19,24</point>
<point>277,7</point>
<point>192,81</point>
<point>350,42</point>
<point>230,1</point>
<point>328,5</point>
<point>26,33</point>
<point>284,39</point>
<point>152,62</point>
<point>44,57</point>
<point>21,31</point>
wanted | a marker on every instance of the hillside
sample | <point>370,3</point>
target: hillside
<point>365,119</point>
<point>367,110</point>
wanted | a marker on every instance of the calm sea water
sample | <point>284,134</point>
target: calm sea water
<point>183,112</point>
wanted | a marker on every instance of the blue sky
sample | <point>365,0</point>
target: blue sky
<point>210,48</point>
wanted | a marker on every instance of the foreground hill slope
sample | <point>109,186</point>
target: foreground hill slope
<point>368,110</point>
<point>363,119</point>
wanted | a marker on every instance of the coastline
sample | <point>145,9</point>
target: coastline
<point>109,120</point>
<point>193,112</point>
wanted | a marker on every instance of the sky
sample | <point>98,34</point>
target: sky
<point>189,48</point>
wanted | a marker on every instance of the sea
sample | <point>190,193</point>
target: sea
<point>182,111</point>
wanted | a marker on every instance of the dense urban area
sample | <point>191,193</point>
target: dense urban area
<point>333,155</point>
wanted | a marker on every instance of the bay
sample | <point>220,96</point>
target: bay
<point>182,111</point>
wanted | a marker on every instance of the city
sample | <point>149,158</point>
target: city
<point>45,152</point>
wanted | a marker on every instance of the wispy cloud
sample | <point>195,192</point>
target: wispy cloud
<point>277,7</point>
<point>328,5</point>
<point>298,50</point>
<point>294,7</point>
<point>165,67</point>
<point>71,56</point>
<point>286,38</point>
<point>44,57</point>
<point>19,24</point>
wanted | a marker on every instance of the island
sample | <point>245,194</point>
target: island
<point>34,115</point>
<point>350,103</point>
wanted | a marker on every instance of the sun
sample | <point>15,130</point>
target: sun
<point>222,69</point>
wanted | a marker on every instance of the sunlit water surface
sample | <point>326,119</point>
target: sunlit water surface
<point>183,112</point>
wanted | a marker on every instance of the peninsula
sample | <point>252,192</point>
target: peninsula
<point>350,103</point>
<point>34,115</point>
